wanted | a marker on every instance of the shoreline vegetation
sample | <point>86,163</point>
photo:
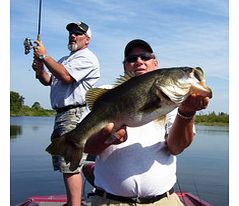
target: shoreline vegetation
<point>17,108</point>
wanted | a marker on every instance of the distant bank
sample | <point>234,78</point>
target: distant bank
<point>211,119</point>
<point>17,108</point>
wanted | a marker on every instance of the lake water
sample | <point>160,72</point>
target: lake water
<point>202,168</point>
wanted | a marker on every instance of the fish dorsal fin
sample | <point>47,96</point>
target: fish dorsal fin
<point>93,94</point>
<point>123,78</point>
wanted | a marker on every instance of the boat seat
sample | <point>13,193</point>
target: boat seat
<point>88,172</point>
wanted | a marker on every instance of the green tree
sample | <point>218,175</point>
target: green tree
<point>16,102</point>
<point>37,106</point>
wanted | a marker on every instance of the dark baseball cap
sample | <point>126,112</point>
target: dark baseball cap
<point>81,26</point>
<point>137,43</point>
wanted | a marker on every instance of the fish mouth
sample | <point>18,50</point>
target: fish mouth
<point>191,83</point>
<point>176,93</point>
<point>201,89</point>
<point>180,94</point>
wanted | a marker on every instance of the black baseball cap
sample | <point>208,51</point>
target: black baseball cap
<point>137,43</point>
<point>81,26</point>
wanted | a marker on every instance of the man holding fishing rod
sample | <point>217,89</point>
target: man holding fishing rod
<point>69,79</point>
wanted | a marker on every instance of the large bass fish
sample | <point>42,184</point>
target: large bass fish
<point>135,101</point>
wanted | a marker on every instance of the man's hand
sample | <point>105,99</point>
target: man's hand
<point>120,135</point>
<point>96,143</point>
<point>37,65</point>
<point>39,49</point>
<point>194,103</point>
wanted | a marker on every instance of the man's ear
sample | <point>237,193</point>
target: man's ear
<point>156,62</point>
<point>88,40</point>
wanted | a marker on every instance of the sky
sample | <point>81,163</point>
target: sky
<point>182,33</point>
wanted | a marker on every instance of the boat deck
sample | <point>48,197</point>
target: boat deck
<point>59,200</point>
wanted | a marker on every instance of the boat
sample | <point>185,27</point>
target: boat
<point>59,200</point>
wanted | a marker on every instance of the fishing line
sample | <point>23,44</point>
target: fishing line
<point>197,192</point>
<point>180,191</point>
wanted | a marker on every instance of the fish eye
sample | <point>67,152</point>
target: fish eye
<point>187,69</point>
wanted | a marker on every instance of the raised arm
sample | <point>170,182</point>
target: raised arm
<point>57,69</point>
<point>41,75</point>
<point>181,134</point>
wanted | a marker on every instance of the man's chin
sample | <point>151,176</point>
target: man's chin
<point>72,47</point>
<point>139,72</point>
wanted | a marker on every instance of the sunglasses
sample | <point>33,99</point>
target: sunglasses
<point>143,56</point>
<point>77,33</point>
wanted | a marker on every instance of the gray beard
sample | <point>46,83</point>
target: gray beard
<point>72,47</point>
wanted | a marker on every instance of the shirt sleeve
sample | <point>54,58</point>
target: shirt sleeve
<point>170,117</point>
<point>79,67</point>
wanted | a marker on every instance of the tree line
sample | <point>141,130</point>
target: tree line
<point>18,108</point>
<point>220,119</point>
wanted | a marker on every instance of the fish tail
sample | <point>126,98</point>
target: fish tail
<point>71,152</point>
<point>55,147</point>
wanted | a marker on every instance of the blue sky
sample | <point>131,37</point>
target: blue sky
<point>182,33</point>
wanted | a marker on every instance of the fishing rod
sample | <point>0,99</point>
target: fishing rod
<point>28,45</point>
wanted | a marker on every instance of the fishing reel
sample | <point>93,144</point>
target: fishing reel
<point>28,45</point>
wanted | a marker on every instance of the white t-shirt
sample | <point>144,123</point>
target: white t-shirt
<point>141,166</point>
<point>83,66</point>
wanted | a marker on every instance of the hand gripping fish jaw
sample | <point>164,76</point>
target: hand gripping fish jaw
<point>185,82</point>
<point>200,87</point>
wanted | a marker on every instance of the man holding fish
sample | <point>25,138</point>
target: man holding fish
<point>137,164</point>
<point>135,129</point>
